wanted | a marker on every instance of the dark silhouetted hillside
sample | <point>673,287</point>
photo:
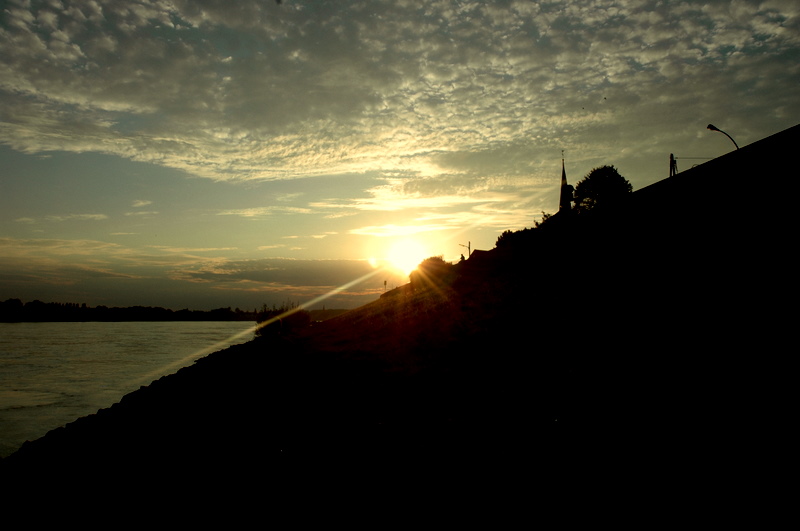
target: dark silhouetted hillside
<point>640,343</point>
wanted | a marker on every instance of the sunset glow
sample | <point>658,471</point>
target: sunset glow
<point>406,255</point>
<point>210,154</point>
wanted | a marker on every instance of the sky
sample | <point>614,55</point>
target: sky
<point>206,154</point>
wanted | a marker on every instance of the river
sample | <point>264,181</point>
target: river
<point>54,373</point>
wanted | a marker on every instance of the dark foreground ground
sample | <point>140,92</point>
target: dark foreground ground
<point>637,356</point>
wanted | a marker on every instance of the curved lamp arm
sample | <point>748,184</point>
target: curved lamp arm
<point>714,128</point>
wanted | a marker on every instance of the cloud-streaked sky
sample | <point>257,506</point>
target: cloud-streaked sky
<point>209,153</point>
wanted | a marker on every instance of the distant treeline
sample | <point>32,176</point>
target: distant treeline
<point>15,311</point>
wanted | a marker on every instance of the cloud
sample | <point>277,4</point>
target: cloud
<point>59,261</point>
<point>254,92</point>
<point>89,270</point>
<point>29,248</point>
<point>53,273</point>
<point>287,197</point>
<point>77,217</point>
<point>393,116</point>
<point>262,212</point>
<point>184,262</point>
<point>396,230</point>
<point>401,194</point>
<point>61,218</point>
<point>462,109</point>
<point>277,273</point>
<point>446,202</point>
<point>191,249</point>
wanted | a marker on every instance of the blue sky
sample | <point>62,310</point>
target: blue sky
<point>206,153</point>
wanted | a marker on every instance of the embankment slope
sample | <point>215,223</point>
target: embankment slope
<point>633,339</point>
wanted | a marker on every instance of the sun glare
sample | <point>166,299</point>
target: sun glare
<point>406,255</point>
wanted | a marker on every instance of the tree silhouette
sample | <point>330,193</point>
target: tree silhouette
<point>432,272</point>
<point>601,186</point>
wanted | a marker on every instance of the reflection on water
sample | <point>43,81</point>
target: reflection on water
<point>54,373</point>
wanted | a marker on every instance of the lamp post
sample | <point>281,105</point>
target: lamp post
<point>714,128</point>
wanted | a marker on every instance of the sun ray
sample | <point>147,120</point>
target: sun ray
<point>406,255</point>
<point>222,344</point>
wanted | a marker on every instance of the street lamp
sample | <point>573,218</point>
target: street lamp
<point>714,128</point>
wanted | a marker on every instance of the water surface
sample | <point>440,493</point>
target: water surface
<point>54,373</point>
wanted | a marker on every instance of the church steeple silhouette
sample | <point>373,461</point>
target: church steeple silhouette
<point>566,190</point>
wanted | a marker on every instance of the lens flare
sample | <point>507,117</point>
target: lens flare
<point>222,344</point>
<point>406,255</point>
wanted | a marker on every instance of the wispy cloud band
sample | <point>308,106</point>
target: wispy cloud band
<point>261,91</point>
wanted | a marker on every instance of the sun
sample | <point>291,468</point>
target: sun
<point>406,255</point>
